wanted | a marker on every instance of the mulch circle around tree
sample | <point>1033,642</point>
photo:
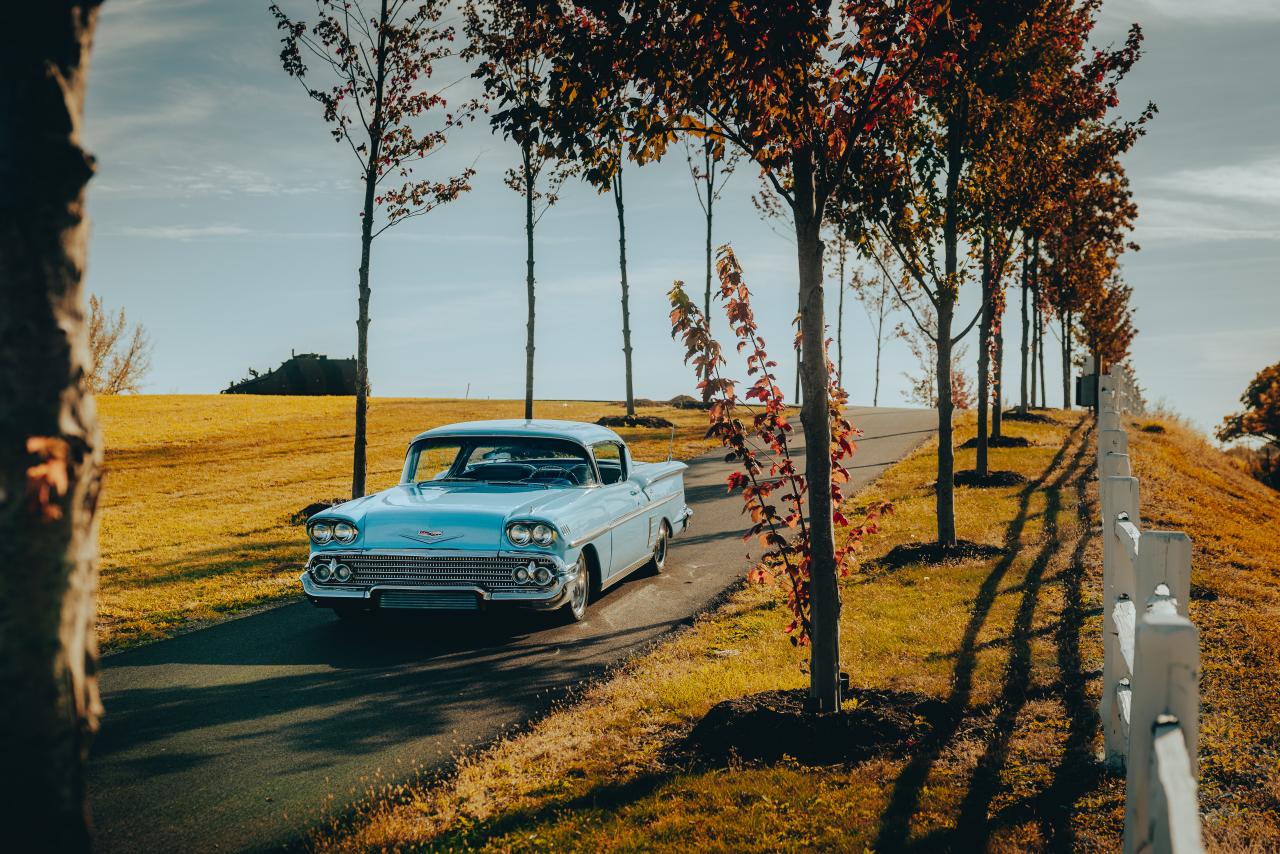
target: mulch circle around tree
<point>1029,416</point>
<point>970,477</point>
<point>684,401</point>
<point>1153,428</point>
<point>633,421</point>
<point>312,509</point>
<point>999,442</point>
<point>932,553</point>
<point>767,726</point>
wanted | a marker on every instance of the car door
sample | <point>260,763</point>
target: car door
<point>625,503</point>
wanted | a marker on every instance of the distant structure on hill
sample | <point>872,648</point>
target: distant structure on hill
<point>303,373</point>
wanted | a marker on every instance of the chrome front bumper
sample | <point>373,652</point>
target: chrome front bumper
<point>367,596</point>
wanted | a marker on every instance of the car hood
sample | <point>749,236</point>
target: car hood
<point>464,516</point>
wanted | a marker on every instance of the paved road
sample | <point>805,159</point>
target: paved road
<point>234,737</point>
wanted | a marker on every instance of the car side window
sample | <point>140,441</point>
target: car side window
<point>609,460</point>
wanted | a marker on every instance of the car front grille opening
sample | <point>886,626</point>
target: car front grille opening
<point>429,600</point>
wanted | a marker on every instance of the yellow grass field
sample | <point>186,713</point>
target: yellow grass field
<point>1012,643</point>
<point>199,491</point>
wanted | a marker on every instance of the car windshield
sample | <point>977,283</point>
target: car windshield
<point>499,459</point>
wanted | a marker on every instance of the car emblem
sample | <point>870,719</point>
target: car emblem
<point>430,537</point>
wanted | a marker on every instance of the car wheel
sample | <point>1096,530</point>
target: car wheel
<point>659,560</point>
<point>579,594</point>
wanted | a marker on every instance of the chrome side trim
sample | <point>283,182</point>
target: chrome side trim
<point>618,576</point>
<point>624,518</point>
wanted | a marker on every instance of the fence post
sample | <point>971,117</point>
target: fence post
<point>1165,558</point>
<point>1166,691</point>
<point>1119,496</point>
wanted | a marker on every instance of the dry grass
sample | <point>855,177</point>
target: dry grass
<point>1011,643</point>
<point>199,491</point>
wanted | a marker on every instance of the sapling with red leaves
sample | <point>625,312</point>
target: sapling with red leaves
<point>376,99</point>
<point>773,489</point>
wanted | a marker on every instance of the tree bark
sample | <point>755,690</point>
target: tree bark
<point>824,589</point>
<point>358,466</point>
<point>528,278</point>
<point>884,296</point>
<point>997,404</point>
<point>840,325</point>
<point>1066,359</point>
<point>1044,385</point>
<point>945,490</point>
<point>984,358</point>
<point>50,446</point>
<point>1035,339</point>
<point>1026,286</point>
<point>626,296</point>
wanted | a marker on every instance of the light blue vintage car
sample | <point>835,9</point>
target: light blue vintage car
<point>541,514</point>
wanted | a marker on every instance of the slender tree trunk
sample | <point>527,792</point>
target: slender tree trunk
<point>799,398</point>
<point>1026,286</point>
<point>840,323</point>
<point>626,294</point>
<point>528,278</point>
<point>50,447</point>
<point>884,296</point>
<point>824,660</point>
<point>362,289</point>
<point>1066,359</point>
<point>945,491</point>
<point>997,410</point>
<point>1035,340</point>
<point>1044,385</point>
<point>710,171</point>
<point>984,358</point>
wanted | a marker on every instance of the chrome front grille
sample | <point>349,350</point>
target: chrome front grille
<point>488,572</point>
<point>428,600</point>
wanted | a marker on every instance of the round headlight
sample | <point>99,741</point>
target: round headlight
<point>519,534</point>
<point>322,532</point>
<point>342,573</point>
<point>322,571</point>
<point>521,575</point>
<point>344,532</point>
<point>543,535</point>
<point>542,575</point>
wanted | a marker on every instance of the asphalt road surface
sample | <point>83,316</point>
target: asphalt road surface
<point>240,736</point>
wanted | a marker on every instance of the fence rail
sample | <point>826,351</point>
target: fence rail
<point>1151,651</point>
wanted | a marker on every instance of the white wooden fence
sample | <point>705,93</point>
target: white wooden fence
<point>1151,667</point>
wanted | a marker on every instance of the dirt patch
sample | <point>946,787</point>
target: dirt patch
<point>1153,428</point>
<point>911,553</point>
<point>999,442</point>
<point>312,509</point>
<point>767,726</point>
<point>970,477</point>
<point>1029,416</point>
<point>633,421</point>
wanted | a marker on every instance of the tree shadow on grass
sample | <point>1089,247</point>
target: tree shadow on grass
<point>895,824</point>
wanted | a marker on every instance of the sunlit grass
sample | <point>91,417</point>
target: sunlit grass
<point>199,491</point>
<point>1013,642</point>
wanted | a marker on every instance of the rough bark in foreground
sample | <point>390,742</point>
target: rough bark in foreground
<point>824,589</point>
<point>945,490</point>
<point>50,450</point>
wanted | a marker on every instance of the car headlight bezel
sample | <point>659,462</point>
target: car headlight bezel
<point>519,534</point>
<point>543,534</point>
<point>323,571</point>
<point>321,532</point>
<point>343,570</point>
<point>345,532</point>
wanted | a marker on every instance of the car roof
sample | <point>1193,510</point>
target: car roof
<point>574,431</point>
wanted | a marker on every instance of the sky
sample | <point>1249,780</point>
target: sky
<point>225,220</point>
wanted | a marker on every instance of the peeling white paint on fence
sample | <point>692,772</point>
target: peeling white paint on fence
<point>1151,652</point>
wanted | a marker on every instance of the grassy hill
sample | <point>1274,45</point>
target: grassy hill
<point>1010,644</point>
<point>199,492</point>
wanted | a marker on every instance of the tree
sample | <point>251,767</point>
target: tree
<point>796,88</point>
<point>376,64</point>
<point>511,38</point>
<point>710,165</point>
<point>117,360</point>
<point>50,446</point>
<point>875,292</point>
<point>1106,323</point>
<point>922,387</point>
<point>1260,420</point>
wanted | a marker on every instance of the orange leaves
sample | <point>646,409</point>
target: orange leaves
<point>48,479</point>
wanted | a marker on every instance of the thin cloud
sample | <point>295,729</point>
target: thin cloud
<point>1165,220</point>
<point>1257,182</point>
<point>1220,11</point>
<point>183,232</point>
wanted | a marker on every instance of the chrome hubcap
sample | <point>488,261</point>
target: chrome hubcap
<point>580,586</point>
